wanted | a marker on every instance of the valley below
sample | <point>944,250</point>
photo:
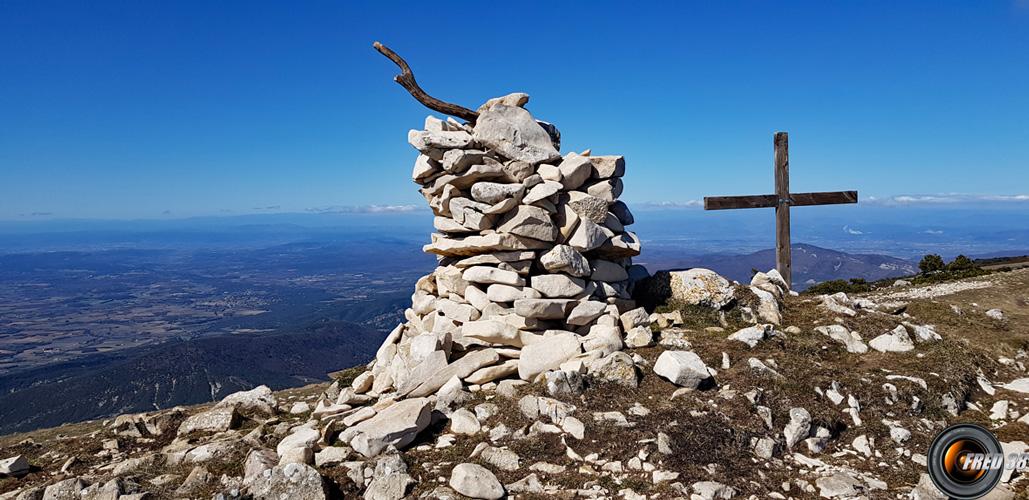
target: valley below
<point>94,324</point>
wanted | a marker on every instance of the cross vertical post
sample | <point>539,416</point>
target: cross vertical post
<point>781,202</point>
<point>783,260</point>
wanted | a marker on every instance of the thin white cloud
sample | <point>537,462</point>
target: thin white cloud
<point>366,209</point>
<point>850,230</point>
<point>946,199</point>
<point>669,204</point>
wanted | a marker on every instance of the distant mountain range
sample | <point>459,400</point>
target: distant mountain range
<point>811,264</point>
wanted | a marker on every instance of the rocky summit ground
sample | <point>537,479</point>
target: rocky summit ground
<point>841,400</point>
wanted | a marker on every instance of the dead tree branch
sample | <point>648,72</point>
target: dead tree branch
<point>406,80</point>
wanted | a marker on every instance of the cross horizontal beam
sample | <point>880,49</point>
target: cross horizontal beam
<point>771,200</point>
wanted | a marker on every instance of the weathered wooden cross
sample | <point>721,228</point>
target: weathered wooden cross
<point>781,200</point>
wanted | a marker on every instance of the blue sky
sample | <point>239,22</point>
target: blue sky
<point>144,109</point>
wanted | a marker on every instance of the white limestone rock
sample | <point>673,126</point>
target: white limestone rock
<point>682,368</point>
<point>549,172</point>
<point>565,259</point>
<point>461,368</point>
<point>476,245</point>
<point>14,466</point>
<point>512,132</point>
<point>489,275</point>
<point>711,490</point>
<point>588,207</point>
<point>896,340</point>
<point>519,99</point>
<point>1018,385</point>
<point>257,400</point>
<point>541,191</point>
<point>492,373</point>
<point>608,189</point>
<point>218,419</point>
<point>839,485</point>
<point>751,335</point>
<point>603,338</point>
<point>301,437</point>
<point>798,427</point>
<point>767,306</point>
<point>635,317</point>
<point>426,141</point>
<point>464,421</point>
<point>640,336</point>
<point>605,167</point>
<point>456,161</point>
<point>575,170</point>
<point>542,308</point>
<point>547,354</point>
<point>396,425</point>
<point>424,167</point>
<point>294,481</point>
<point>475,481</point>
<point>494,192</point>
<point>332,455</point>
<point>494,331</point>
<point>587,236</point>
<point>840,334</point>
<point>702,287</point>
<point>617,367</point>
<point>557,285</point>
<point>530,222</point>
<point>924,333</point>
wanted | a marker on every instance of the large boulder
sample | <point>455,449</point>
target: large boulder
<point>512,132</point>
<point>696,286</point>
<point>397,425</point>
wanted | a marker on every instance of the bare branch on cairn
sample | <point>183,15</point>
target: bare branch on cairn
<point>406,80</point>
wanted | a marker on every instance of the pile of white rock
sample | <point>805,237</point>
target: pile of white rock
<point>534,274</point>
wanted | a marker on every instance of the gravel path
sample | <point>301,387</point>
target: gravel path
<point>932,291</point>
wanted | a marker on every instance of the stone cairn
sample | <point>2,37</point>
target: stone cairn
<point>534,276</point>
